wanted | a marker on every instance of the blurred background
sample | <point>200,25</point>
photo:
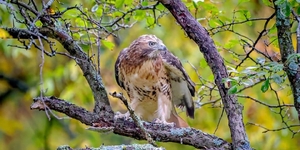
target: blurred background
<point>20,82</point>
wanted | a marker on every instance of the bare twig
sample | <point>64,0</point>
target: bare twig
<point>265,104</point>
<point>219,121</point>
<point>269,130</point>
<point>256,41</point>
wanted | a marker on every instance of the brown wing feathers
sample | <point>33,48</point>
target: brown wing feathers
<point>181,96</point>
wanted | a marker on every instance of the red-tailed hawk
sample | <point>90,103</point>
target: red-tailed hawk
<point>155,81</point>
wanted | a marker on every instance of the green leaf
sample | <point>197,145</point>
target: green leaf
<point>275,66</point>
<point>117,14</point>
<point>267,2</point>
<point>243,1</point>
<point>71,14</point>
<point>278,2</point>
<point>99,12</point>
<point>145,3</point>
<point>129,2</point>
<point>160,7</point>
<point>95,8</point>
<point>243,14</point>
<point>273,29</point>
<point>231,69</point>
<point>119,3</point>
<point>248,82</point>
<point>139,15</point>
<point>232,90</point>
<point>79,22</point>
<point>249,70</point>
<point>202,63</point>
<point>265,85</point>
<point>195,4</point>
<point>287,10</point>
<point>231,44</point>
<point>211,8</point>
<point>150,21</point>
<point>261,60</point>
<point>261,73</point>
<point>108,44</point>
<point>293,66</point>
<point>277,79</point>
<point>214,23</point>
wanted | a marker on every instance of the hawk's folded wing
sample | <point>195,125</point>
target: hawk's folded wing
<point>119,77</point>
<point>183,88</point>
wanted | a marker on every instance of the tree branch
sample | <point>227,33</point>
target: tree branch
<point>125,147</point>
<point>197,33</point>
<point>127,127</point>
<point>286,50</point>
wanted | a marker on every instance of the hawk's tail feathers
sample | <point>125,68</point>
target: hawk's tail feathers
<point>189,106</point>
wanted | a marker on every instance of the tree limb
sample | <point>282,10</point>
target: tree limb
<point>197,33</point>
<point>292,67</point>
<point>127,127</point>
<point>124,147</point>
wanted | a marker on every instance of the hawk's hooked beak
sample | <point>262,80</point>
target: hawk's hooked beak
<point>157,50</point>
<point>162,47</point>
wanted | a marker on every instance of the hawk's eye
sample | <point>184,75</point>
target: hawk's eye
<point>151,43</point>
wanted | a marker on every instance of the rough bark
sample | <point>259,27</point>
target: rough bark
<point>286,50</point>
<point>197,33</point>
<point>127,127</point>
<point>116,147</point>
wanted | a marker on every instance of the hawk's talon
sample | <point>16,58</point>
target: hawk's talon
<point>164,122</point>
<point>120,115</point>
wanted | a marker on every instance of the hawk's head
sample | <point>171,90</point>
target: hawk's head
<point>147,46</point>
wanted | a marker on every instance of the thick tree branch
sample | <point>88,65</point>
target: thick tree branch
<point>197,33</point>
<point>292,67</point>
<point>127,127</point>
<point>115,147</point>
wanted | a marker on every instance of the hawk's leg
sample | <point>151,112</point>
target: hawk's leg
<point>164,107</point>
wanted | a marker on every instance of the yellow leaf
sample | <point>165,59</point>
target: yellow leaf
<point>50,11</point>
<point>4,34</point>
